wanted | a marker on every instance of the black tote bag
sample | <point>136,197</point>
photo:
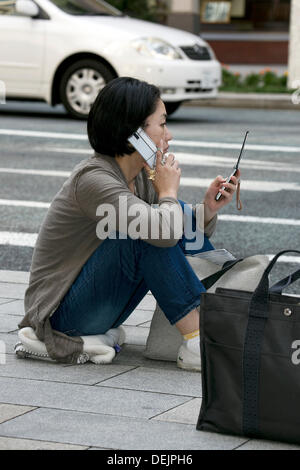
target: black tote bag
<point>250,353</point>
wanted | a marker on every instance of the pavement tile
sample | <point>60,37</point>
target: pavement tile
<point>8,322</point>
<point>12,290</point>
<point>98,448</point>
<point>177,382</point>
<point>148,303</point>
<point>31,368</point>
<point>187,413</point>
<point>10,443</point>
<point>133,354</point>
<point>8,411</point>
<point>136,335</point>
<point>4,301</point>
<point>114,432</point>
<point>21,277</point>
<point>13,307</point>
<point>147,324</point>
<point>86,398</point>
<point>255,444</point>
<point>10,339</point>
<point>137,317</point>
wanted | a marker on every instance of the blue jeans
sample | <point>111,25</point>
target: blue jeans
<point>117,277</point>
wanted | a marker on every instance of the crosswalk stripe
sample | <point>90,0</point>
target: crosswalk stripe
<point>231,146</point>
<point>246,185</point>
<point>187,159</point>
<point>20,203</point>
<point>23,171</point>
<point>257,220</point>
<point>225,217</point>
<point>18,239</point>
<point>29,240</point>
<point>44,135</point>
<point>181,143</point>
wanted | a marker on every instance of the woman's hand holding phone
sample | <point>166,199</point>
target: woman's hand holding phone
<point>211,205</point>
<point>167,174</point>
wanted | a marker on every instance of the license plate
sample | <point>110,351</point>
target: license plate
<point>206,81</point>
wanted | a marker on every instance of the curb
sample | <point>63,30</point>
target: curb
<point>248,100</point>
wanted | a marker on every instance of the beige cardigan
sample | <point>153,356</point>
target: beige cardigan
<point>67,239</point>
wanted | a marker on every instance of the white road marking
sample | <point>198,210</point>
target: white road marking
<point>257,220</point>
<point>221,145</point>
<point>204,160</point>
<point>20,203</point>
<point>246,185</point>
<point>211,160</point>
<point>43,135</point>
<point>181,143</point>
<point>23,171</point>
<point>18,239</point>
<point>185,159</point>
<point>225,217</point>
<point>29,240</point>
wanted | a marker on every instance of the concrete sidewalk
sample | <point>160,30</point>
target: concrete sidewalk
<point>249,100</point>
<point>133,403</point>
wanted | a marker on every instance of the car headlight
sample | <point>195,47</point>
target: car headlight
<point>157,48</point>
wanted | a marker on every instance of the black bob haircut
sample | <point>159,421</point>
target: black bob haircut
<point>120,108</point>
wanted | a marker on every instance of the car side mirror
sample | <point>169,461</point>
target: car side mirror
<point>26,8</point>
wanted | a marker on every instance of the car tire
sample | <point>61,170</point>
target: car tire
<point>80,85</point>
<point>171,107</point>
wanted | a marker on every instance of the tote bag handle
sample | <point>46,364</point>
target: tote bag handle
<point>284,283</point>
<point>260,297</point>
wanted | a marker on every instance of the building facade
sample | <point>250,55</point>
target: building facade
<point>240,31</point>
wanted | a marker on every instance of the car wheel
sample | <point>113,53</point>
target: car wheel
<point>171,107</point>
<point>80,85</point>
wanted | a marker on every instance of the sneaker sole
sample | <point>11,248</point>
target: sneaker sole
<point>187,361</point>
<point>189,367</point>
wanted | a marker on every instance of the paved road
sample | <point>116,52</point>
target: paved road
<point>40,146</point>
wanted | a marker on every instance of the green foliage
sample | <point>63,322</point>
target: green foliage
<point>143,9</point>
<point>230,79</point>
<point>265,81</point>
<point>253,80</point>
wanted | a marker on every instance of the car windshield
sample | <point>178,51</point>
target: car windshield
<point>87,7</point>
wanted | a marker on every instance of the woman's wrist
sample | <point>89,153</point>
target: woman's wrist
<point>208,214</point>
<point>167,194</point>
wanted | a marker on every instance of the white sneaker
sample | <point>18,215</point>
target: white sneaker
<point>103,348</point>
<point>188,356</point>
<point>100,349</point>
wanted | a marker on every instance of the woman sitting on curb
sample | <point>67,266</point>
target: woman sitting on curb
<point>89,269</point>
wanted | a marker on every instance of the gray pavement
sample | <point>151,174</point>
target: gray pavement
<point>132,404</point>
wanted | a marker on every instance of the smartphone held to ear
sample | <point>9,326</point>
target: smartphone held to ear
<point>144,145</point>
<point>235,168</point>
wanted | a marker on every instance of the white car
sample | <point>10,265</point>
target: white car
<point>65,51</point>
